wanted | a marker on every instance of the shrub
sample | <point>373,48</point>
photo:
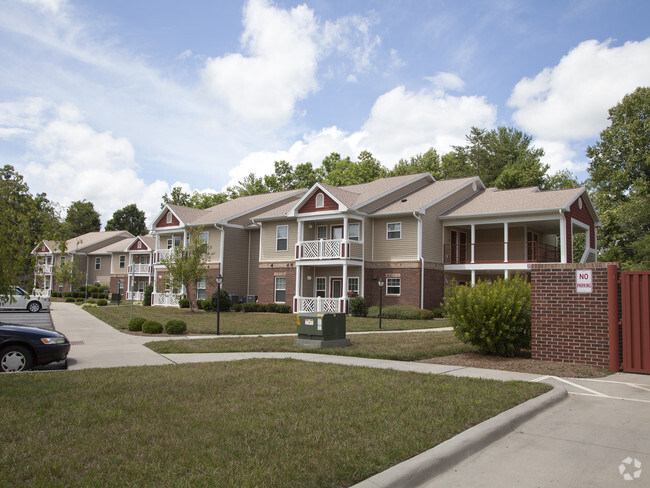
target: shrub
<point>224,301</point>
<point>271,307</point>
<point>91,301</point>
<point>94,295</point>
<point>403,312</point>
<point>493,317</point>
<point>253,307</point>
<point>102,302</point>
<point>135,324</point>
<point>175,326</point>
<point>67,294</point>
<point>55,294</point>
<point>438,313</point>
<point>152,327</point>
<point>146,302</point>
<point>358,307</point>
<point>184,303</point>
<point>79,300</point>
<point>283,309</point>
<point>70,300</point>
<point>203,305</point>
<point>238,307</point>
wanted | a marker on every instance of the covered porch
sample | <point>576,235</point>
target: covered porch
<point>327,289</point>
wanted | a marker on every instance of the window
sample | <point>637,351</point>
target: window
<point>321,283</point>
<point>353,285</point>
<point>393,286</point>
<point>321,232</point>
<point>177,241</point>
<point>139,244</point>
<point>122,261</point>
<point>353,231</point>
<point>204,239</point>
<point>200,289</point>
<point>282,238</point>
<point>170,243</point>
<point>98,263</point>
<point>48,259</point>
<point>320,200</point>
<point>169,217</point>
<point>120,287</point>
<point>280,289</point>
<point>394,230</point>
<point>62,260</point>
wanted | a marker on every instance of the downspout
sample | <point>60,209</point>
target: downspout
<point>421,258</point>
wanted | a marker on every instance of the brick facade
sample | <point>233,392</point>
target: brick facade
<point>409,274</point>
<point>266,282</point>
<point>568,326</point>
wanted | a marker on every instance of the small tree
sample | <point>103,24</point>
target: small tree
<point>187,265</point>
<point>68,273</point>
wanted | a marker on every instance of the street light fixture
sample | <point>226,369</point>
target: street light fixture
<point>380,282</point>
<point>219,281</point>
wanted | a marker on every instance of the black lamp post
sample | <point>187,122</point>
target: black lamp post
<point>219,281</point>
<point>381,292</point>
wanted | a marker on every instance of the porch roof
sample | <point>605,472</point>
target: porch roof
<point>494,202</point>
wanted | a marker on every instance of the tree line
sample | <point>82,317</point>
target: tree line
<point>619,184</point>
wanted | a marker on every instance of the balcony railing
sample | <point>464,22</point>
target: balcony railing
<point>143,269</point>
<point>135,295</point>
<point>42,292</point>
<point>158,256</point>
<point>329,249</point>
<point>494,252</point>
<point>319,305</point>
<point>44,269</point>
<point>165,299</point>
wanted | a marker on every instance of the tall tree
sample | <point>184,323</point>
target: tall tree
<point>187,265</point>
<point>81,218</point>
<point>502,157</point>
<point>249,185</point>
<point>620,178</point>
<point>177,197</point>
<point>197,199</point>
<point>24,221</point>
<point>428,162</point>
<point>129,218</point>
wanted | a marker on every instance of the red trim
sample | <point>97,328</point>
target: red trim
<point>310,205</point>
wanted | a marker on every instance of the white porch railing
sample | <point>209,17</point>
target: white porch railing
<point>329,249</point>
<point>137,295</point>
<point>42,292</point>
<point>165,299</point>
<point>44,269</point>
<point>320,305</point>
<point>163,254</point>
<point>144,269</point>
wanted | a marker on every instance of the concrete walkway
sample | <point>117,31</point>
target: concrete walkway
<point>95,344</point>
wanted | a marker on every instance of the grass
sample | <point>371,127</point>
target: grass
<point>237,323</point>
<point>272,423</point>
<point>410,346</point>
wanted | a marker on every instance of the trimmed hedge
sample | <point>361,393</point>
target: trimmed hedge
<point>184,303</point>
<point>495,317</point>
<point>224,301</point>
<point>70,300</point>
<point>175,326</point>
<point>358,307</point>
<point>152,327</point>
<point>135,324</point>
<point>102,302</point>
<point>403,312</point>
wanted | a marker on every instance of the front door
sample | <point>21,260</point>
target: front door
<point>337,232</point>
<point>336,288</point>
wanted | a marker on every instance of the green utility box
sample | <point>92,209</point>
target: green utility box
<point>320,330</point>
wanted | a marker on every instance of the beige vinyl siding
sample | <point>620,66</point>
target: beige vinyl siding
<point>367,238</point>
<point>115,263</point>
<point>405,248</point>
<point>214,244</point>
<point>235,274</point>
<point>269,242</point>
<point>432,236</point>
<point>254,261</point>
<point>102,275</point>
<point>395,195</point>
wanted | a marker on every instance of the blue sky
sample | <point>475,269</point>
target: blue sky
<point>116,102</point>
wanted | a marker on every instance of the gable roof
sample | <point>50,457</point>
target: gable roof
<point>493,202</point>
<point>84,241</point>
<point>115,247</point>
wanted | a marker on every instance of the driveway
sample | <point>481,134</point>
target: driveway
<point>598,437</point>
<point>40,319</point>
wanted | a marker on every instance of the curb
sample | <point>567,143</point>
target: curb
<point>424,467</point>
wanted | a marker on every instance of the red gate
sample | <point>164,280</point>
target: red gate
<point>635,304</point>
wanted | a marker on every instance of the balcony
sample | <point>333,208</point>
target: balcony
<point>319,305</point>
<point>325,249</point>
<point>135,295</point>
<point>44,269</point>
<point>165,299</point>
<point>497,252</point>
<point>139,269</point>
<point>158,256</point>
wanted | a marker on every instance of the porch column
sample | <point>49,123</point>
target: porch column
<point>299,273</point>
<point>506,273</point>
<point>505,242</point>
<point>525,243</point>
<point>563,238</point>
<point>345,286</point>
<point>473,242</point>
<point>473,277</point>
<point>345,228</point>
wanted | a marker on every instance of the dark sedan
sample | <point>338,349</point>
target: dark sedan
<point>22,348</point>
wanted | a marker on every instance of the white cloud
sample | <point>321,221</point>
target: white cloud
<point>561,155</point>
<point>570,100</point>
<point>51,5</point>
<point>401,124</point>
<point>446,81</point>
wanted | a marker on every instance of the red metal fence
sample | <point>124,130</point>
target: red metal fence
<point>635,305</point>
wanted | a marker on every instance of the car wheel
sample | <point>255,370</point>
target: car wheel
<point>14,359</point>
<point>34,307</point>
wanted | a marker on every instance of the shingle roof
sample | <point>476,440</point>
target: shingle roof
<point>186,214</point>
<point>118,246</point>
<point>493,201</point>
<point>422,198</point>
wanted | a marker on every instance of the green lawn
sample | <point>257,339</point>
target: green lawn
<point>410,346</point>
<point>237,323</point>
<point>271,423</point>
